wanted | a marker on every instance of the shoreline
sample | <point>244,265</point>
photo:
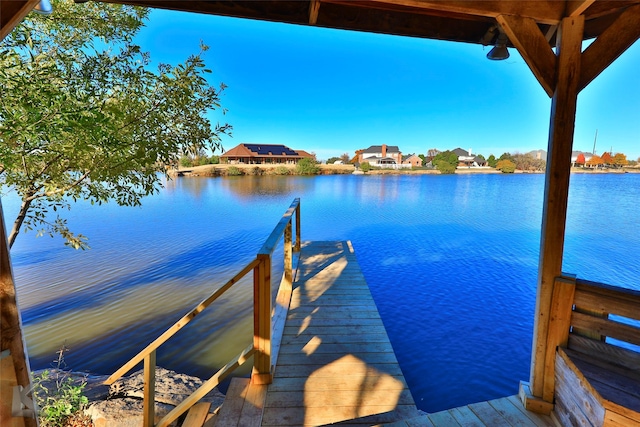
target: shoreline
<point>219,170</point>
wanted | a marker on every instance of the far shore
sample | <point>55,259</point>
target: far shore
<point>269,169</point>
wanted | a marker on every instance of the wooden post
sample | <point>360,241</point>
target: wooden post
<point>288,257</point>
<point>297,247</point>
<point>262,321</point>
<point>556,191</point>
<point>15,370</point>
<point>149,391</point>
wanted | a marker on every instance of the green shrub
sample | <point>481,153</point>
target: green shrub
<point>307,166</point>
<point>281,170</point>
<point>234,171</point>
<point>60,398</point>
<point>506,166</point>
<point>445,167</point>
<point>185,161</point>
<point>365,167</point>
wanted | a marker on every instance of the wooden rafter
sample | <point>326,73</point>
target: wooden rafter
<point>526,36</point>
<point>610,44</point>
<point>12,12</point>
<point>543,11</point>
<point>577,7</point>
<point>314,9</point>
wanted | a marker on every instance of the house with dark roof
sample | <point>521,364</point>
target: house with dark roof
<point>466,159</point>
<point>388,156</point>
<point>256,154</point>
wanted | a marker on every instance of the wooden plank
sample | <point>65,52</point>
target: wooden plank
<point>326,358</point>
<point>358,349</point>
<point>262,321</point>
<point>611,43</point>
<point>622,357</point>
<point>538,420</point>
<point>338,383</point>
<point>231,409</point>
<point>534,48</point>
<point>338,339</point>
<point>487,414</point>
<point>339,415</point>
<point>273,239</point>
<point>556,190</point>
<point>622,304</point>
<point>347,370</point>
<point>197,415</point>
<point>254,403</point>
<point>7,382</point>
<point>576,393</point>
<point>373,396</point>
<point>606,327</point>
<point>577,7</point>
<point>611,419</point>
<point>512,415</point>
<point>12,13</point>
<point>466,417</point>
<point>443,418</point>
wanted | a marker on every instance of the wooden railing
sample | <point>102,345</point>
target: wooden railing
<point>264,345</point>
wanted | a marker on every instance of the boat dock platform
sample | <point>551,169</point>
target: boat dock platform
<point>336,366</point>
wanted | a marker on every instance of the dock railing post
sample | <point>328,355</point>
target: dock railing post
<point>262,321</point>
<point>288,257</point>
<point>149,390</point>
<point>297,246</point>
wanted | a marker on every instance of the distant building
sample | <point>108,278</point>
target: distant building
<point>575,154</point>
<point>382,156</point>
<point>412,160</point>
<point>256,154</point>
<point>466,159</point>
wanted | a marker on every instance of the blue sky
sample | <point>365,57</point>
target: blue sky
<point>332,91</point>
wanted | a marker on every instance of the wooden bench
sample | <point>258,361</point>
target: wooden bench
<point>597,372</point>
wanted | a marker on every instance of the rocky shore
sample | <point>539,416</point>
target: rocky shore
<point>120,405</point>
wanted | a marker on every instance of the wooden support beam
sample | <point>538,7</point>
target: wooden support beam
<point>314,9</point>
<point>611,43</point>
<point>543,11</point>
<point>556,189</point>
<point>577,7</point>
<point>526,36</point>
<point>12,343</point>
<point>564,290</point>
<point>12,13</point>
<point>149,390</point>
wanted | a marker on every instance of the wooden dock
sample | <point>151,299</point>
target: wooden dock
<point>336,366</point>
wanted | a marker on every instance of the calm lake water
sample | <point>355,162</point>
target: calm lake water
<point>451,262</point>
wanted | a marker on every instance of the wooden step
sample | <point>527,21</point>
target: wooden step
<point>242,405</point>
<point>197,415</point>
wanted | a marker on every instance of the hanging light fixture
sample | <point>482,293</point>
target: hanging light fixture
<point>500,51</point>
<point>44,7</point>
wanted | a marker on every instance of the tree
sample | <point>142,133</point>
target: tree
<point>492,161</point>
<point>527,162</point>
<point>346,158</point>
<point>607,159</point>
<point>595,161</point>
<point>83,115</point>
<point>423,158</point>
<point>506,166</point>
<point>332,160</point>
<point>620,160</point>
<point>506,156</point>
<point>431,154</point>
<point>580,160</point>
<point>446,161</point>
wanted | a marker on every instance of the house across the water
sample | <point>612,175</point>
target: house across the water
<point>466,159</point>
<point>386,156</point>
<point>257,154</point>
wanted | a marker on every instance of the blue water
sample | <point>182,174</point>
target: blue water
<point>451,262</point>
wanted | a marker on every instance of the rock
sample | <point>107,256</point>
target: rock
<point>120,405</point>
<point>125,412</point>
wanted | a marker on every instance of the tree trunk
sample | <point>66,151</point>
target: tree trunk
<point>24,208</point>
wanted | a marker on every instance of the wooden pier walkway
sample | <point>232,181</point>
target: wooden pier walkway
<point>336,366</point>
